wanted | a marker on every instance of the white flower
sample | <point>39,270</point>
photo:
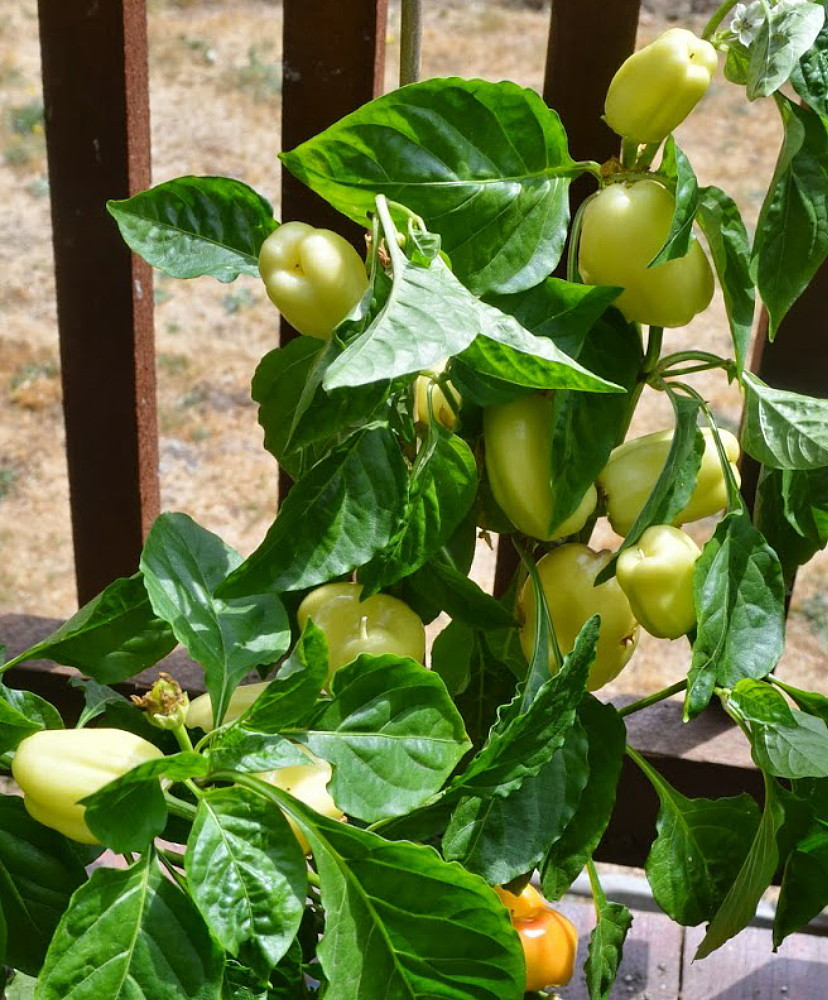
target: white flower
<point>747,20</point>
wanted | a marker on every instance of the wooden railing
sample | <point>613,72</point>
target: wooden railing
<point>97,131</point>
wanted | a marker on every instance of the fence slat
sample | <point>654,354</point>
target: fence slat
<point>333,61</point>
<point>98,142</point>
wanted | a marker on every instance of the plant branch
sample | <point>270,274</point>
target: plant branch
<point>653,699</point>
<point>717,18</point>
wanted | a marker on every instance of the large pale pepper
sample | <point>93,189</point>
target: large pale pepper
<point>314,277</point>
<point>656,88</point>
<point>518,443</point>
<point>378,625</point>
<point>567,575</point>
<point>624,228</point>
<point>56,768</point>
<point>629,476</point>
<point>656,574</point>
<point>308,783</point>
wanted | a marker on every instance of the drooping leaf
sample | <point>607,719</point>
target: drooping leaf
<point>441,494</point>
<point>183,566</point>
<point>131,934</point>
<point>502,838</point>
<point>113,637</point>
<point>727,238</point>
<point>791,511</point>
<point>247,875</point>
<point>335,518</point>
<point>23,713</point>
<point>442,585</point>
<point>700,844</point>
<point>484,164</point>
<point>193,226</point>
<point>677,168</point>
<point>524,739</point>
<point>753,877</point>
<point>607,736</point>
<point>433,930</point>
<point>784,429</point>
<point>300,420</point>
<point>606,943</point>
<point>792,231</point>
<point>739,595</point>
<point>39,871</point>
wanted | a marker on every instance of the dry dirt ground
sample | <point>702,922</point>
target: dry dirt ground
<point>215,83</point>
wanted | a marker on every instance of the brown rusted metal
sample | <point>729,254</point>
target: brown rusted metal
<point>333,62</point>
<point>98,141</point>
<point>588,41</point>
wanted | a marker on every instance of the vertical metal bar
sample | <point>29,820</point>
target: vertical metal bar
<point>98,143</point>
<point>588,41</point>
<point>334,61</point>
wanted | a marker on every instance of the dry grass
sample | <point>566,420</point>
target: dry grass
<point>215,109</point>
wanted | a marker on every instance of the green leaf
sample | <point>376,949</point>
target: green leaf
<point>113,637</point>
<point>247,875</point>
<point>193,226</point>
<point>183,566</point>
<point>291,696</point>
<point>784,36</point>
<point>128,935</point>
<point>127,813</point>
<point>613,350</point>
<point>484,164</point>
<point>606,944</point>
<point>804,890</point>
<point>39,871</point>
<point>335,518</point>
<point>753,878</point>
<point>700,844</point>
<point>392,734</point>
<point>809,701</point>
<point>810,76</point>
<point>300,420</point>
<point>521,744</point>
<point>447,319</point>
<point>564,312</point>
<point>23,713</point>
<point>791,511</point>
<point>676,167</point>
<point>502,838</point>
<point>783,429</point>
<point>440,584</point>
<point>237,750</point>
<point>785,742</point>
<point>740,603</point>
<point>675,483</point>
<point>607,739</point>
<point>442,491</point>
<point>20,987</point>
<point>489,684</point>
<point>792,231</point>
<point>433,930</point>
<point>727,238</point>
<point>96,698</point>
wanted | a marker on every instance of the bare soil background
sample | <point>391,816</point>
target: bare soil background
<point>215,92</point>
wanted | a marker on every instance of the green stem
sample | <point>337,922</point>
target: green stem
<point>648,366</point>
<point>595,884</point>
<point>653,699</point>
<point>572,273</point>
<point>543,606</point>
<point>589,167</point>
<point>717,18</point>
<point>652,775</point>
<point>314,879</point>
<point>629,153</point>
<point>679,357</point>
<point>411,39</point>
<point>174,857</point>
<point>183,737</point>
<point>175,874</point>
<point>186,810</point>
<point>647,155</point>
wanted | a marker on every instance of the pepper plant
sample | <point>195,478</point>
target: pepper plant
<point>417,788</point>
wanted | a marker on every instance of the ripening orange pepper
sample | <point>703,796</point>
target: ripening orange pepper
<point>549,939</point>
